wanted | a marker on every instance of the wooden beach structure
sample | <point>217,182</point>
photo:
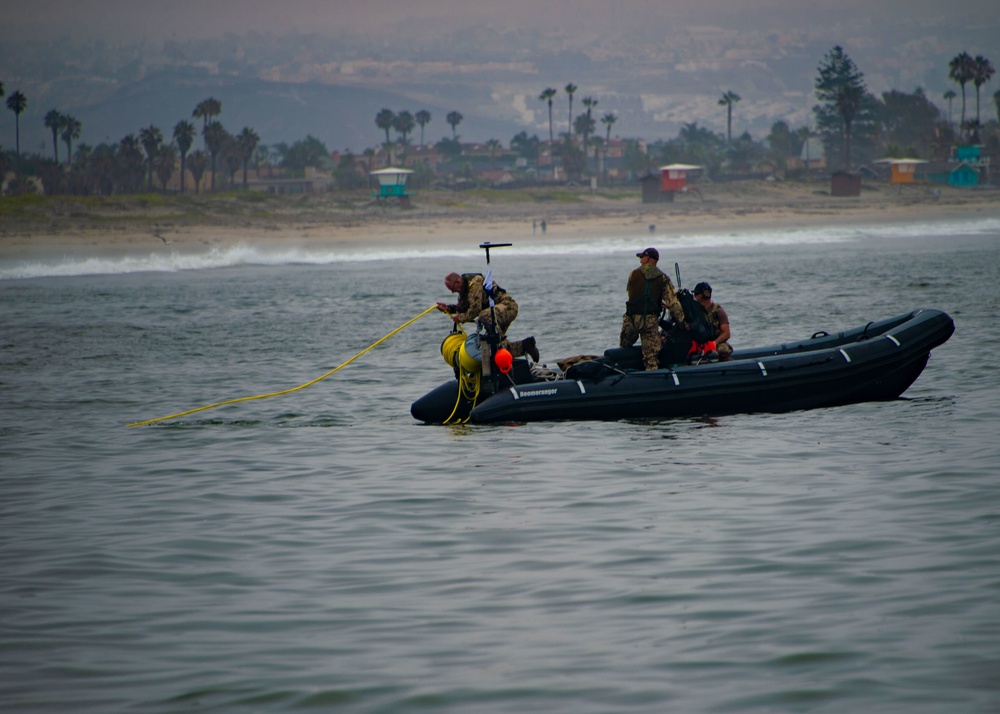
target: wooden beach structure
<point>845,183</point>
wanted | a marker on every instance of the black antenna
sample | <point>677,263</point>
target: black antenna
<point>492,331</point>
<point>677,272</point>
<point>487,245</point>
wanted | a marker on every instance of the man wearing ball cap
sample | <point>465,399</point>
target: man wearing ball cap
<point>649,291</point>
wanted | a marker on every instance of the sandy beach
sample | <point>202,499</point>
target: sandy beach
<point>34,227</point>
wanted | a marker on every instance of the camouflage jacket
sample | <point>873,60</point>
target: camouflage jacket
<point>473,299</point>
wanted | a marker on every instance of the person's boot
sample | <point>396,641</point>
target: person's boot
<point>528,343</point>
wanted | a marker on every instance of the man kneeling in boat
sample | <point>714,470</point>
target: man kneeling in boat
<point>474,305</point>
<point>718,318</point>
<point>649,291</point>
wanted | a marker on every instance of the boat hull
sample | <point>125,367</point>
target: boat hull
<point>876,362</point>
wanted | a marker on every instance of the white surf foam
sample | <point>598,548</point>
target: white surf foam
<point>245,255</point>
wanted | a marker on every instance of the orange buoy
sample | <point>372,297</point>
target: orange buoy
<point>504,360</point>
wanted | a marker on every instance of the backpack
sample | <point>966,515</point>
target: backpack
<point>702,330</point>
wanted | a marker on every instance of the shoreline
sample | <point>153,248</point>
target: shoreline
<point>84,228</point>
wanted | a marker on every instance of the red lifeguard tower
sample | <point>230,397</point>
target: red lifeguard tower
<point>673,178</point>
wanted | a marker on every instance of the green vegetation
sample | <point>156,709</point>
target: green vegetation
<point>855,126</point>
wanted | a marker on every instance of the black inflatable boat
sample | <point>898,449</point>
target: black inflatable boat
<point>875,362</point>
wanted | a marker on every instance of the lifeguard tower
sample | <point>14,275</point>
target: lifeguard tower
<point>904,170</point>
<point>673,179</point>
<point>392,187</point>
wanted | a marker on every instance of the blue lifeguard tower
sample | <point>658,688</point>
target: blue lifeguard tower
<point>392,187</point>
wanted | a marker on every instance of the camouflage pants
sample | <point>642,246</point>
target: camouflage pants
<point>506,312</point>
<point>725,352</point>
<point>647,327</point>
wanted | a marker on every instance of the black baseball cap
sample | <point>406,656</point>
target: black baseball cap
<point>702,288</point>
<point>651,252</point>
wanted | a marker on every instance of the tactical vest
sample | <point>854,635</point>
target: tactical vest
<point>650,302</point>
<point>713,318</point>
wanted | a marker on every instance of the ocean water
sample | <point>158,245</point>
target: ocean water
<point>322,551</point>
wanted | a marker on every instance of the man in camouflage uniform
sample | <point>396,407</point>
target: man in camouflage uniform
<point>719,319</point>
<point>474,306</point>
<point>649,291</point>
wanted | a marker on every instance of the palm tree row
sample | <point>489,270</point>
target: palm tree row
<point>963,68</point>
<point>115,168</point>
<point>583,126</point>
<point>403,124</point>
<point>119,168</point>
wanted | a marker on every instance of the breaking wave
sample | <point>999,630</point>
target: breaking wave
<point>261,255</point>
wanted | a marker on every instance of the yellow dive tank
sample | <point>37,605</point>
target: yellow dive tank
<point>462,352</point>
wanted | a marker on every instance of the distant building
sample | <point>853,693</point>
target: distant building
<point>967,168</point>
<point>314,181</point>
<point>845,183</point>
<point>959,176</point>
<point>812,156</point>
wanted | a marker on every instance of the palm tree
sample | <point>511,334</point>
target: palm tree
<point>982,72</point>
<point>71,128</point>
<point>423,118</point>
<point>246,142</point>
<point>454,119</point>
<point>608,121</point>
<point>151,139</point>
<point>960,70</point>
<point>164,161</point>
<point>949,95</point>
<point>493,146</point>
<point>53,121</point>
<point>996,101</point>
<point>231,158</point>
<point>728,100</point>
<point>403,124</point>
<point>197,163</point>
<point>129,170</point>
<point>215,139</point>
<point>206,109</point>
<point>384,120</point>
<point>588,126</point>
<point>546,96</point>
<point>184,136</point>
<point>17,103</point>
<point>570,88</point>
<point>582,126</point>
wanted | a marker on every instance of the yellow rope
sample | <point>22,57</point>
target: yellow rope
<point>294,389</point>
<point>468,389</point>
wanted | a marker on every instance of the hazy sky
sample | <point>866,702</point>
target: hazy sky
<point>203,18</point>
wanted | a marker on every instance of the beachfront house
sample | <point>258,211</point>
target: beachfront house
<point>967,168</point>
<point>813,154</point>
<point>961,176</point>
